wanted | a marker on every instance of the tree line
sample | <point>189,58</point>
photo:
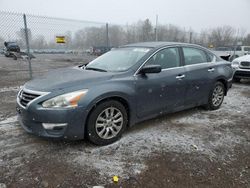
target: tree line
<point>144,31</point>
<point>141,31</point>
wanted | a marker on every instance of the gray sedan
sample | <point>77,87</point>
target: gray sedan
<point>127,85</point>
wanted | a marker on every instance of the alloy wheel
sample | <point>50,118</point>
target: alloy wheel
<point>109,123</point>
<point>218,95</point>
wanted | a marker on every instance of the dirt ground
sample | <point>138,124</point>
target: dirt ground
<point>193,148</point>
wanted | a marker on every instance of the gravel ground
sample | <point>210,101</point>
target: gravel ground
<point>193,148</point>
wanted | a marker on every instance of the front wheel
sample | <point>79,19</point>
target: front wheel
<point>216,96</point>
<point>107,122</point>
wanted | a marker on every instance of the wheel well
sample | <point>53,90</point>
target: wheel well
<point>225,85</point>
<point>119,99</point>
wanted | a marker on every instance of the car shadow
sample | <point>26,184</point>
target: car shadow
<point>154,122</point>
<point>163,119</point>
<point>243,82</point>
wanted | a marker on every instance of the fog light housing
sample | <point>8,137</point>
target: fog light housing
<point>54,126</point>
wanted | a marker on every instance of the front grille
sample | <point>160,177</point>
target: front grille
<point>242,74</point>
<point>245,64</point>
<point>26,97</point>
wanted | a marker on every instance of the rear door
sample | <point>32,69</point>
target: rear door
<point>164,91</point>
<point>200,70</point>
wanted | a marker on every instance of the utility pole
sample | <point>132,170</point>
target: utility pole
<point>27,44</point>
<point>190,36</point>
<point>107,35</point>
<point>156,29</point>
<point>235,44</point>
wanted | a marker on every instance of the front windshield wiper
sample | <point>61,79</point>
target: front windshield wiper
<point>95,69</point>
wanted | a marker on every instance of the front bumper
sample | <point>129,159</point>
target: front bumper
<point>242,73</point>
<point>32,119</point>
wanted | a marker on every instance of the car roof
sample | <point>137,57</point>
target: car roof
<point>157,44</point>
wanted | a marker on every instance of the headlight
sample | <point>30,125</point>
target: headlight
<point>235,64</point>
<point>67,100</point>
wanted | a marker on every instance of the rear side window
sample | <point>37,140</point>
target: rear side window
<point>167,58</point>
<point>194,56</point>
<point>211,57</point>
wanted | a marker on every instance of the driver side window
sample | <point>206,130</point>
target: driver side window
<point>167,58</point>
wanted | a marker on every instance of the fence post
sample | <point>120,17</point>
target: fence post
<point>27,44</point>
<point>107,35</point>
<point>156,28</point>
<point>190,36</point>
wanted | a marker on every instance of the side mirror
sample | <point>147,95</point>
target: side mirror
<point>150,69</point>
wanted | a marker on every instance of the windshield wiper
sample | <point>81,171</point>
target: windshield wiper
<point>95,69</point>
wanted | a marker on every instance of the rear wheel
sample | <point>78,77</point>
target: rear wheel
<point>216,96</point>
<point>107,122</point>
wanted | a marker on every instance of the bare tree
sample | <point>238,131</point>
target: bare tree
<point>222,36</point>
<point>95,36</point>
<point>69,40</point>
<point>38,42</point>
<point>143,31</point>
<point>116,35</point>
<point>79,39</point>
<point>148,32</point>
<point>246,40</point>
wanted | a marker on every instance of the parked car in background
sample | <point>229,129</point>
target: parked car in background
<point>124,86</point>
<point>241,66</point>
<point>11,48</point>
<point>223,52</point>
<point>232,52</point>
<point>99,50</point>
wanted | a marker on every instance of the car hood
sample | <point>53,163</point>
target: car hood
<point>242,58</point>
<point>65,78</point>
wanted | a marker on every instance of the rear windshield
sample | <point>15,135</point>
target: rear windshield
<point>246,48</point>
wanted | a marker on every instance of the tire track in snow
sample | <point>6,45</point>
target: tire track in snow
<point>6,89</point>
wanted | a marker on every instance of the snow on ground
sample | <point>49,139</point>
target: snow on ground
<point>195,130</point>
<point>5,89</point>
<point>182,132</point>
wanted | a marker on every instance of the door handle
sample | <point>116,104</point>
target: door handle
<point>210,70</point>
<point>179,77</point>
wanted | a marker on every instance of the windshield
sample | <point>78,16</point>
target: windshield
<point>118,60</point>
<point>12,44</point>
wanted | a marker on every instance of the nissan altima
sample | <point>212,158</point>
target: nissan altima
<point>126,85</point>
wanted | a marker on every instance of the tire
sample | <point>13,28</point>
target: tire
<point>216,96</point>
<point>236,79</point>
<point>106,123</point>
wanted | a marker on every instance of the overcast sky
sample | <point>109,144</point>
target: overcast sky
<point>197,14</point>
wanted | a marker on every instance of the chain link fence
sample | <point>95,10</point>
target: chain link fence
<point>11,71</point>
<point>55,42</point>
<point>51,43</point>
